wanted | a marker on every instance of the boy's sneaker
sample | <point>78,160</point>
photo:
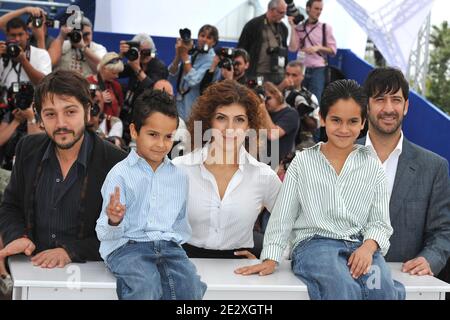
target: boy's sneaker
<point>6,285</point>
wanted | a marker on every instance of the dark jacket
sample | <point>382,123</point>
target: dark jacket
<point>156,70</point>
<point>17,211</point>
<point>420,207</point>
<point>251,39</point>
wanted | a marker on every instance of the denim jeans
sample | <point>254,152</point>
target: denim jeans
<point>153,271</point>
<point>321,263</point>
<point>315,81</point>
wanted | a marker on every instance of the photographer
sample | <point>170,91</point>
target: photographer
<point>74,49</point>
<point>265,39</point>
<point>105,126</point>
<point>302,100</point>
<point>190,64</point>
<point>108,71</point>
<point>228,63</point>
<point>21,61</point>
<point>39,37</point>
<point>142,69</point>
<point>282,122</point>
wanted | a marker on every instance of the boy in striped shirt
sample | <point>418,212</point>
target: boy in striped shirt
<point>334,200</point>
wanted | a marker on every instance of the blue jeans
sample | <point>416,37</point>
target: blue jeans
<point>153,271</point>
<point>321,263</point>
<point>315,81</point>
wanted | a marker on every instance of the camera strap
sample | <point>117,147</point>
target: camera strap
<point>14,65</point>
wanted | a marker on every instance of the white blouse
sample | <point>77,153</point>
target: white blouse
<point>227,224</point>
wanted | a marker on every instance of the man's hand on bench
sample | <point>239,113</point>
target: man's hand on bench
<point>418,266</point>
<point>263,269</point>
<point>21,245</point>
<point>51,258</point>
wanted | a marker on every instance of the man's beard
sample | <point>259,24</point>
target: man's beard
<point>374,123</point>
<point>70,144</point>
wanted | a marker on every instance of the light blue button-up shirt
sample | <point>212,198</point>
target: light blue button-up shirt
<point>155,204</point>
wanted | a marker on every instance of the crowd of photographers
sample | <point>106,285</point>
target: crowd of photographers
<point>259,61</point>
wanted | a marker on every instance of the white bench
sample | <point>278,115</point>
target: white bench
<point>92,280</point>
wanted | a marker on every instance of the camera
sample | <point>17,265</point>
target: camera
<point>186,35</point>
<point>12,49</point>
<point>36,22</point>
<point>292,11</point>
<point>132,53</point>
<point>257,86</point>
<point>75,36</point>
<point>301,101</point>
<point>95,109</point>
<point>226,57</point>
<point>20,95</point>
<point>52,23</point>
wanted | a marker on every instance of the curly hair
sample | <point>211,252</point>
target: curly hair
<point>225,93</point>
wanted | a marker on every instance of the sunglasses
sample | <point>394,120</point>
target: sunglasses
<point>86,34</point>
<point>113,61</point>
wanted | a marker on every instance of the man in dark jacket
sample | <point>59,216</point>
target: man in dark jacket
<point>265,39</point>
<point>53,199</point>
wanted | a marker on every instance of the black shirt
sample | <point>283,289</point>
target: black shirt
<point>288,120</point>
<point>57,202</point>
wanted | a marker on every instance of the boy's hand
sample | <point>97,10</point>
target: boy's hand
<point>263,269</point>
<point>115,210</point>
<point>361,259</point>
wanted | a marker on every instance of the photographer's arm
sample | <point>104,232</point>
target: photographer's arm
<point>35,75</point>
<point>294,43</point>
<point>34,11</point>
<point>7,130</point>
<point>274,132</point>
<point>92,59</point>
<point>55,49</point>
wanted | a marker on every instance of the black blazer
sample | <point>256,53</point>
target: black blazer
<point>17,211</point>
<point>251,39</point>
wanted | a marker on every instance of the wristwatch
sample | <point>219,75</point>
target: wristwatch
<point>33,121</point>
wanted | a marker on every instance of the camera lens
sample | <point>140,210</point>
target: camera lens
<point>132,54</point>
<point>12,50</point>
<point>75,36</point>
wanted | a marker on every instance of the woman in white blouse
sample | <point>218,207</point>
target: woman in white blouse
<point>228,187</point>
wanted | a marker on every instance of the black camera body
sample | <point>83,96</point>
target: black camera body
<point>75,36</point>
<point>133,53</point>
<point>186,35</point>
<point>292,11</point>
<point>95,108</point>
<point>36,22</point>
<point>12,49</point>
<point>52,23</point>
<point>257,86</point>
<point>226,57</point>
<point>20,95</point>
<point>301,100</point>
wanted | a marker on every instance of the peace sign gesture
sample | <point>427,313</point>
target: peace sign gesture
<point>115,210</point>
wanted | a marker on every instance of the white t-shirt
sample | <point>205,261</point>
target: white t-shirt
<point>39,59</point>
<point>70,58</point>
<point>227,224</point>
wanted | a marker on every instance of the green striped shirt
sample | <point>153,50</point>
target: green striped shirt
<point>314,200</point>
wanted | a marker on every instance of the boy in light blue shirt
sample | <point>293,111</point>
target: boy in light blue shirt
<point>143,220</point>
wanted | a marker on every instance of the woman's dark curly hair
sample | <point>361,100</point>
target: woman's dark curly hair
<point>225,93</point>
